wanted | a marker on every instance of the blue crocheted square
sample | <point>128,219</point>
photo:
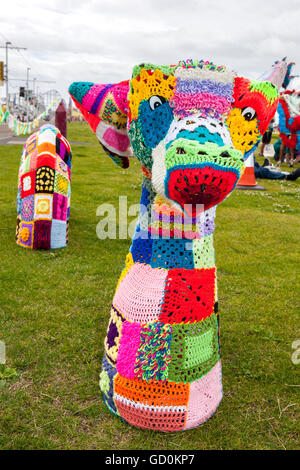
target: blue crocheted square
<point>172,253</point>
<point>141,250</point>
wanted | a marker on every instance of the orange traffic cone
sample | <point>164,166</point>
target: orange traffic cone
<point>247,180</point>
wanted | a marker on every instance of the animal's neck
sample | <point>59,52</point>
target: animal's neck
<point>167,238</point>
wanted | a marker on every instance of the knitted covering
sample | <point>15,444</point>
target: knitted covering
<point>289,119</point>
<point>44,191</point>
<point>191,126</point>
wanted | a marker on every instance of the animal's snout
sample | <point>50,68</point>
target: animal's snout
<point>202,167</point>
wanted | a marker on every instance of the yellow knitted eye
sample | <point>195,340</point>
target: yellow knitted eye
<point>242,125</point>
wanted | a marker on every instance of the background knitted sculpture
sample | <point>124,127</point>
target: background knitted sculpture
<point>191,126</point>
<point>289,119</point>
<point>43,200</point>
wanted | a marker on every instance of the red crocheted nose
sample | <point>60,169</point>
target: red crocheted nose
<point>199,188</point>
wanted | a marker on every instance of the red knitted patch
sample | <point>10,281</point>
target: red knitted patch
<point>189,295</point>
<point>196,186</point>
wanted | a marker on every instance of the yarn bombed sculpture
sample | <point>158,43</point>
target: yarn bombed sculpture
<point>289,119</point>
<point>43,201</point>
<point>190,126</point>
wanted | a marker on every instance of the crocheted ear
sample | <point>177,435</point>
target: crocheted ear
<point>105,108</point>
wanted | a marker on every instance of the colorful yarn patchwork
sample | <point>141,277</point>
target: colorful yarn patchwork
<point>44,190</point>
<point>190,126</point>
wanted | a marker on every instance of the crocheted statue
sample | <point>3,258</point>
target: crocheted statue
<point>289,119</point>
<point>191,126</point>
<point>43,201</point>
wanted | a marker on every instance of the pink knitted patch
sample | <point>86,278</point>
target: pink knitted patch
<point>205,397</point>
<point>116,140</point>
<point>89,99</point>
<point>140,293</point>
<point>120,92</point>
<point>186,102</point>
<point>129,344</point>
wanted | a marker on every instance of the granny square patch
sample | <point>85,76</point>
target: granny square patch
<point>27,208</point>
<point>62,167</point>
<point>189,295</point>
<point>27,184</point>
<point>43,206</point>
<point>58,234</point>
<point>205,396</point>
<point>149,283</point>
<point>42,234</point>
<point>129,345</point>
<point>46,160</point>
<point>30,147</point>
<point>60,206</point>
<point>25,237</point>
<point>44,180</point>
<point>106,384</point>
<point>61,184</point>
<point>19,202</point>
<point>203,252</point>
<point>141,249</point>
<point>112,340</point>
<point>32,161</point>
<point>194,350</point>
<point>171,254</point>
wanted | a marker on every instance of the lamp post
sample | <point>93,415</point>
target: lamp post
<point>27,110</point>
<point>6,53</point>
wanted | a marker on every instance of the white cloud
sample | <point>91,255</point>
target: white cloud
<point>100,41</point>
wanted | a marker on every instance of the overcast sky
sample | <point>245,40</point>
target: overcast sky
<point>100,41</point>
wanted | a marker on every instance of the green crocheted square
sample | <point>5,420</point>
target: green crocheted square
<point>199,349</point>
<point>203,252</point>
<point>194,350</point>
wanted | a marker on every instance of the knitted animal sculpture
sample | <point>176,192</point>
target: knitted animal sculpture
<point>190,126</point>
<point>289,119</point>
<point>43,201</point>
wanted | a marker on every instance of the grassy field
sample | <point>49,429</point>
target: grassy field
<point>54,310</point>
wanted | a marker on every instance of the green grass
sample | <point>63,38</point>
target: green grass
<point>54,311</point>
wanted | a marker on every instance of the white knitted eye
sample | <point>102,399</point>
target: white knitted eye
<point>155,101</point>
<point>248,113</point>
